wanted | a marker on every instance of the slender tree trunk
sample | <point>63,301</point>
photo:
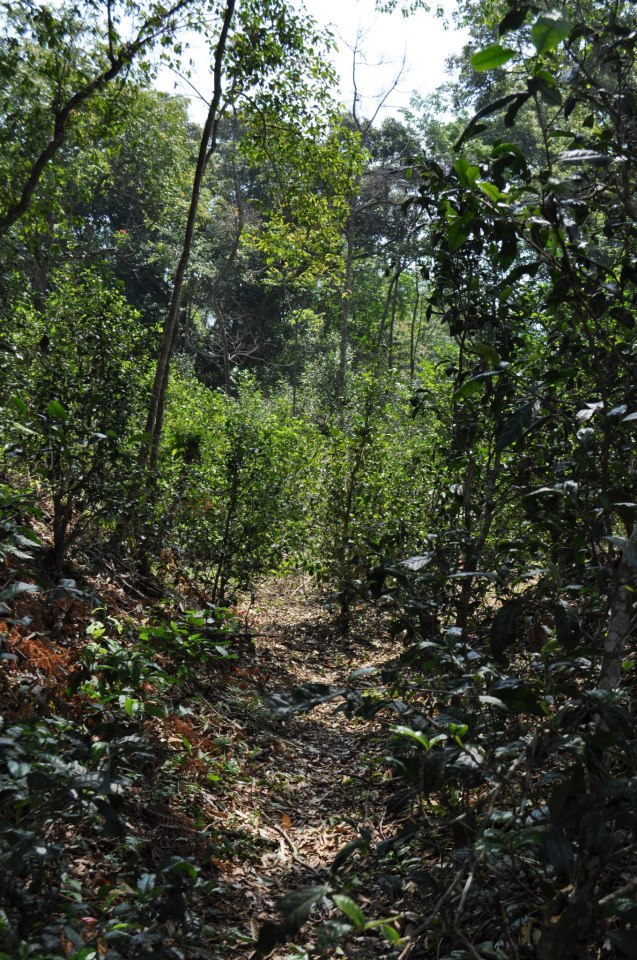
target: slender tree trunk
<point>620,624</point>
<point>386,308</point>
<point>207,146</point>
<point>227,384</point>
<point>346,309</point>
<point>343,551</point>
<point>473,554</point>
<point>392,322</point>
<point>62,513</point>
<point>224,271</point>
<point>412,336</point>
<point>227,549</point>
<point>295,367</point>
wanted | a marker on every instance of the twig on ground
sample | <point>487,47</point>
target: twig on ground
<point>294,851</point>
<point>465,894</point>
<point>460,937</point>
<point>431,916</point>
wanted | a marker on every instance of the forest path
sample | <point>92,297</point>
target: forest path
<point>307,784</point>
<point>226,806</point>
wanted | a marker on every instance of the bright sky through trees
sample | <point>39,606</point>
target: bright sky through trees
<point>384,42</point>
<point>387,44</point>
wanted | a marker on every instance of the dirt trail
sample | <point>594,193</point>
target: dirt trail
<point>311,782</point>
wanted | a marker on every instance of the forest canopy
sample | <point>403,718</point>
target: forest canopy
<point>392,360</point>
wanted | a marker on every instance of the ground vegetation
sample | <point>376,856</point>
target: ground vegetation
<point>318,526</point>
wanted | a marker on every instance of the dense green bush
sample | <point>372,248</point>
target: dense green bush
<point>377,484</point>
<point>76,392</point>
<point>238,475</point>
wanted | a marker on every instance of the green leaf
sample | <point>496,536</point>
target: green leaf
<point>523,269</point>
<point>296,906</point>
<point>146,883</point>
<point>511,114</point>
<point>86,953</point>
<point>22,429</point>
<point>465,574</point>
<point>543,82</point>
<point>350,909</point>
<point>177,865</point>
<point>513,20</point>
<point>458,730</point>
<point>19,404</point>
<point>585,156</point>
<point>492,192</point>
<point>358,843</point>
<point>157,710</point>
<point>330,932</point>
<point>492,701</point>
<point>520,696</point>
<point>130,706</point>
<point>518,424</point>
<point>303,698</point>
<point>487,352</point>
<point>18,768</point>
<point>493,107</point>
<point>390,933</point>
<point>417,563</point>
<point>56,410</point>
<point>457,234</point>
<point>375,924</point>
<point>467,173</point>
<point>492,57</point>
<point>68,589</point>
<point>416,735</point>
<point>474,385</point>
<point>550,30</point>
<point>470,388</point>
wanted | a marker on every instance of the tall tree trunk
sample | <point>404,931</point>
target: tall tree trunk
<point>392,322</point>
<point>224,271</point>
<point>386,309</point>
<point>207,146</point>
<point>225,346</point>
<point>346,308</point>
<point>295,366</point>
<point>620,624</point>
<point>412,336</point>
